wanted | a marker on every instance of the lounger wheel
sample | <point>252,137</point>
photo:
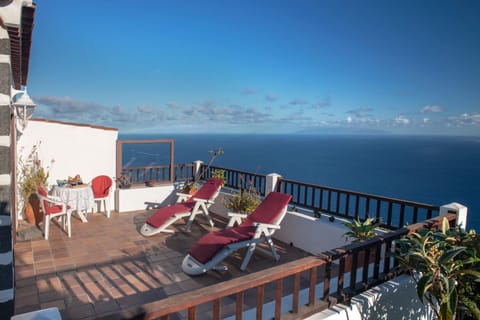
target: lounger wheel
<point>148,231</point>
<point>192,267</point>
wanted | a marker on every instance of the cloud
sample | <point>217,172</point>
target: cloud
<point>298,102</point>
<point>249,91</point>
<point>431,109</point>
<point>67,105</point>
<point>465,119</point>
<point>271,97</point>
<point>145,109</point>
<point>361,112</point>
<point>325,102</point>
<point>402,120</point>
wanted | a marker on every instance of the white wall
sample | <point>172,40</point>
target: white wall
<point>395,299</point>
<point>75,149</point>
<point>139,198</point>
<point>311,234</point>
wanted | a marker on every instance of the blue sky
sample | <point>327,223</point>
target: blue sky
<point>251,66</point>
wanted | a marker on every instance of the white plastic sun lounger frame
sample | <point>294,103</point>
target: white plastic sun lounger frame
<point>201,206</point>
<point>263,233</point>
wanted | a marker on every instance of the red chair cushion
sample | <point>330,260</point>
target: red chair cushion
<point>208,245</point>
<point>269,209</point>
<point>208,190</point>
<point>49,209</point>
<point>54,209</point>
<point>101,186</point>
<point>163,214</point>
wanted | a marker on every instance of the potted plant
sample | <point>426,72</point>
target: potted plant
<point>125,181</point>
<point>190,187</point>
<point>445,265</point>
<point>245,201</point>
<point>31,176</point>
<point>361,230</point>
<point>219,173</point>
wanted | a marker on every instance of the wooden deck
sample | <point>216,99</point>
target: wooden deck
<point>107,266</point>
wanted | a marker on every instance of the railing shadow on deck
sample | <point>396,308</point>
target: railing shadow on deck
<point>345,273</point>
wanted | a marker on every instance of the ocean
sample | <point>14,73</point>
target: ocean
<point>430,169</point>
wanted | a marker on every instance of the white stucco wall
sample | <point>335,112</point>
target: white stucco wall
<point>395,299</point>
<point>88,151</point>
<point>311,234</point>
<point>139,198</point>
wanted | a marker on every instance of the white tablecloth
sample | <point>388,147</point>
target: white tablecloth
<point>79,198</point>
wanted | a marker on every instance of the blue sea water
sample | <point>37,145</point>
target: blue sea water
<point>428,169</point>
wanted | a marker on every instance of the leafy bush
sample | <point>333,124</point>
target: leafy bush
<point>361,230</point>
<point>445,265</point>
<point>245,201</point>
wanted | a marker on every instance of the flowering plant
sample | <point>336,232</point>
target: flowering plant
<point>31,173</point>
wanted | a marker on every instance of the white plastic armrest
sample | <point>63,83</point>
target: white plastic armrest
<point>235,218</point>
<point>55,198</point>
<point>265,228</point>
<point>266,225</point>
<point>201,200</point>
<point>182,196</point>
<point>235,214</point>
<point>56,201</point>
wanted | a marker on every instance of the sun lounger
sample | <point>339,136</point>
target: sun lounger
<point>197,204</point>
<point>210,250</point>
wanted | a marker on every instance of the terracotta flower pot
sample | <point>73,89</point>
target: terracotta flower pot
<point>29,214</point>
<point>33,213</point>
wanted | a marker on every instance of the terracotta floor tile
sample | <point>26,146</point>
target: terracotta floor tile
<point>79,312</point>
<point>60,304</point>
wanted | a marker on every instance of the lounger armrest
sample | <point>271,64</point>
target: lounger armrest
<point>235,218</point>
<point>266,225</point>
<point>203,200</point>
<point>265,228</point>
<point>182,196</point>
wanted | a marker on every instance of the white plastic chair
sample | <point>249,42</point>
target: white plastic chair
<point>101,186</point>
<point>54,208</point>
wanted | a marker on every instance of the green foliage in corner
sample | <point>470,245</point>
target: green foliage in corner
<point>445,264</point>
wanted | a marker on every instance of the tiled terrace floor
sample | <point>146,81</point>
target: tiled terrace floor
<point>107,265</point>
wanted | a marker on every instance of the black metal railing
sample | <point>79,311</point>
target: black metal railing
<point>392,213</point>
<point>238,179</point>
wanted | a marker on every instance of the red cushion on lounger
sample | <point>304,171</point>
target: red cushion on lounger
<point>165,213</point>
<point>208,245</point>
<point>269,209</point>
<point>208,190</point>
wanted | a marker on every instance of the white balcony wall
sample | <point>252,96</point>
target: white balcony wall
<point>74,148</point>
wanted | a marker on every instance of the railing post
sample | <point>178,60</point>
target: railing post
<point>459,209</point>
<point>271,182</point>
<point>197,165</point>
